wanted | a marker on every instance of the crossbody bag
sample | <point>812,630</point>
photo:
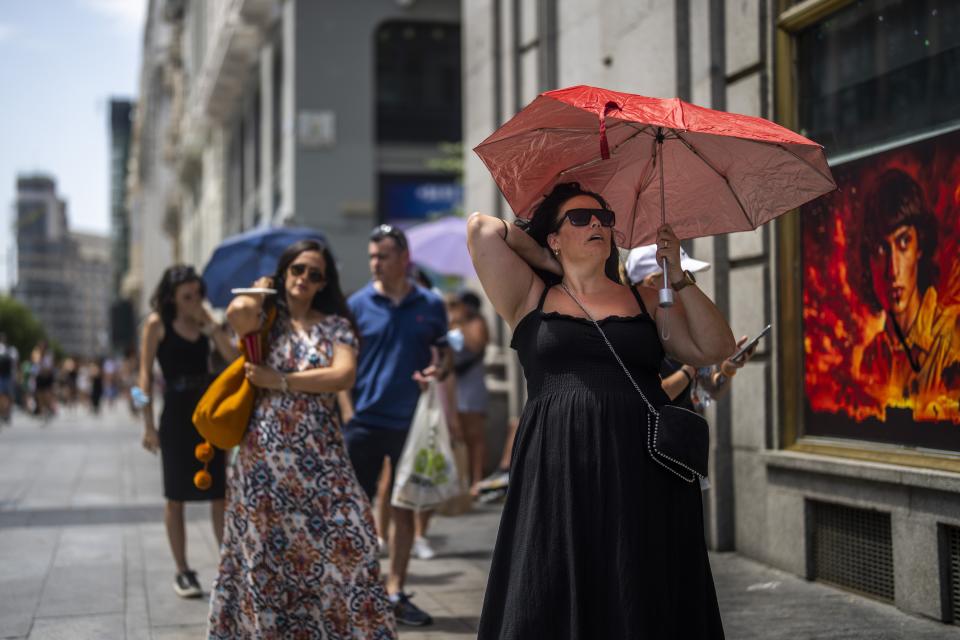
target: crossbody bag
<point>677,439</point>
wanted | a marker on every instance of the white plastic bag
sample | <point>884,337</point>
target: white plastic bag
<point>426,472</point>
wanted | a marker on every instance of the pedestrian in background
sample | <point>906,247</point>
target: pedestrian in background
<point>8,379</point>
<point>299,558</point>
<point>400,325</point>
<point>596,540</point>
<point>43,381</point>
<point>96,384</point>
<point>177,333</point>
<point>463,312</point>
<point>127,374</point>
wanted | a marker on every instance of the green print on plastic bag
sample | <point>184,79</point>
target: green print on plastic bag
<point>431,464</point>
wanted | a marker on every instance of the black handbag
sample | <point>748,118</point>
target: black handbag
<point>677,439</point>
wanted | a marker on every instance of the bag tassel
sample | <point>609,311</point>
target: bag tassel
<point>204,453</point>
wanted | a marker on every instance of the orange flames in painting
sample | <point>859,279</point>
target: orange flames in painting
<point>839,325</point>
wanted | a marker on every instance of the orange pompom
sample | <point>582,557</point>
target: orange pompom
<point>203,452</point>
<point>202,480</point>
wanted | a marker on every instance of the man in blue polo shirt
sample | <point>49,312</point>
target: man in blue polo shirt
<point>400,325</point>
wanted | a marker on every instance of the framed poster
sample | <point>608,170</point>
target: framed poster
<point>881,299</point>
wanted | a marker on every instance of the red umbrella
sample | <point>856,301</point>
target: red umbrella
<point>655,160</point>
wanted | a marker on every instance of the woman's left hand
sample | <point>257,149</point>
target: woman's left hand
<point>262,376</point>
<point>668,246</point>
<point>729,367</point>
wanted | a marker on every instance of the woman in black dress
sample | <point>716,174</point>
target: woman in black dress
<point>177,333</point>
<point>596,539</point>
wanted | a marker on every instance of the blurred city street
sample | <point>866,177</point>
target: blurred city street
<point>83,555</point>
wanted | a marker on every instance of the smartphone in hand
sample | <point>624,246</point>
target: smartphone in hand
<point>749,344</point>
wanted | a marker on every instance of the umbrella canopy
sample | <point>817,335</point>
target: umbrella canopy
<point>441,246</point>
<point>241,259</point>
<point>706,172</point>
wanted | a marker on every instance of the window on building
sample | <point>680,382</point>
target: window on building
<point>879,70</point>
<point>418,82</point>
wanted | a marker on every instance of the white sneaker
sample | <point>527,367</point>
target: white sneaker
<point>422,549</point>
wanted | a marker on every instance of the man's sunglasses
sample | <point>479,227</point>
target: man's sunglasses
<point>387,231</point>
<point>313,275</point>
<point>581,217</point>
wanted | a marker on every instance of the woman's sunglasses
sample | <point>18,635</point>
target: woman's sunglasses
<point>313,275</point>
<point>581,217</point>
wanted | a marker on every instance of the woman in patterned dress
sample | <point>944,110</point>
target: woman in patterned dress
<point>299,555</point>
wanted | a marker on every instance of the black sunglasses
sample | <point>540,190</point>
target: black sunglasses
<point>581,217</point>
<point>388,231</point>
<point>313,275</point>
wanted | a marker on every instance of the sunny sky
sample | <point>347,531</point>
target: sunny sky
<point>60,63</point>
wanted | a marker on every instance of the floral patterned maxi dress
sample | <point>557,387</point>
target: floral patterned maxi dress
<point>299,555</point>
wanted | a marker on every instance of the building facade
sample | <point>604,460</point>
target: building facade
<point>62,277</point>
<point>150,194</point>
<point>91,282</point>
<point>299,113</point>
<point>835,456</point>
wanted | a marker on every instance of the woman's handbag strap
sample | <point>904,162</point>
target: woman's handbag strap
<point>651,435</point>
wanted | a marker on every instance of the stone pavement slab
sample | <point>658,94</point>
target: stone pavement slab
<point>83,555</point>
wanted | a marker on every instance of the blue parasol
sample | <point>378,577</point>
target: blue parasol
<point>241,259</point>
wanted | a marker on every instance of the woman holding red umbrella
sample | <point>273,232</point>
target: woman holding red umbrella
<point>596,539</point>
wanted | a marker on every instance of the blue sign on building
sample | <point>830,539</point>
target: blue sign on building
<point>418,198</point>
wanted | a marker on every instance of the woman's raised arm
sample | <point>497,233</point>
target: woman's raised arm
<point>504,257</point>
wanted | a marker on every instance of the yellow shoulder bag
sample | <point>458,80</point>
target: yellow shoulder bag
<point>222,414</point>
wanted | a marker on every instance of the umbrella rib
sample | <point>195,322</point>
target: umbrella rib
<point>806,162</point>
<point>594,161</point>
<point>726,181</point>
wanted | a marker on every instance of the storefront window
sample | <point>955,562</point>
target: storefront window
<point>879,87</point>
<point>879,70</point>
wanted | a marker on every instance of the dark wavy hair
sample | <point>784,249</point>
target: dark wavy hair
<point>896,200</point>
<point>543,222</point>
<point>162,301</point>
<point>329,299</point>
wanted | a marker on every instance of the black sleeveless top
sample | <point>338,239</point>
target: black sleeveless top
<point>559,352</point>
<point>184,363</point>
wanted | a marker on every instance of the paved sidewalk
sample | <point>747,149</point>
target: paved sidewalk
<point>83,555</point>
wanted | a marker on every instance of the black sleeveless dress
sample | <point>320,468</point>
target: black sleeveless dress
<point>186,374</point>
<point>596,539</point>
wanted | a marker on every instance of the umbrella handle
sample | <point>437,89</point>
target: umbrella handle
<point>666,293</point>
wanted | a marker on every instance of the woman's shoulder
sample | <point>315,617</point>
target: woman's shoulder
<point>153,324</point>
<point>339,329</point>
<point>649,295</point>
<point>333,322</point>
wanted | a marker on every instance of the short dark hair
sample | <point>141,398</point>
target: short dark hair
<point>896,200</point>
<point>389,231</point>
<point>543,221</point>
<point>470,299</point>
<point>162,300</point>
